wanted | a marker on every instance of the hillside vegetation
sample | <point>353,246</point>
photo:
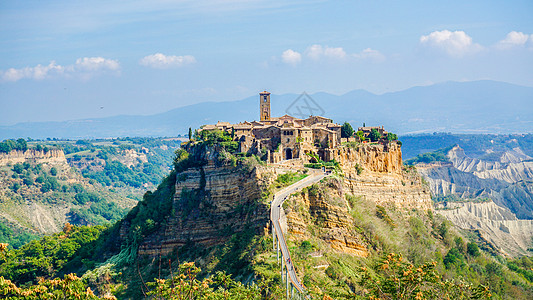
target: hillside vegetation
<point>45,184</point>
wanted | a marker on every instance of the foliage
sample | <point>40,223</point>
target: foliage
<point>45,257</point>
<point>288,178</point>
<point>392,136</point>
<point>472,249</point>
<point>70,287</point>
<point>358,169</point>
<point>361,135</point>
<point>9,145</point>
<point>429,157</point>
<point>346,130</point>
<point>374,135</point>
<point>183,160</point>
<point>156,206</point>
<point>187,285</point>
<point>15,240</point>
<point>395,278</point>
<point>381,213</point>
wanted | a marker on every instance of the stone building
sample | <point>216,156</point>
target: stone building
<point>285,137</point>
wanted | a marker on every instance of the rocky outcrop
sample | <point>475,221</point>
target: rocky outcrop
<point>376,158</point>
<point>323,206</point>
<point>378,175</point>
<point>215,199</point>
<point>506,179</point>
<point>496,224</point>
<point>211,203</point>
<point>39,156</point>
<point>510,166</point>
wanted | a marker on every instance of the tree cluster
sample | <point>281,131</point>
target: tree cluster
<point>9,145</point>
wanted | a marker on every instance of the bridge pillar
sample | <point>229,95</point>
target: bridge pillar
<point>273,237</point>
<point>282,271</point>
<point>287,280</point>
<point>277,251</point>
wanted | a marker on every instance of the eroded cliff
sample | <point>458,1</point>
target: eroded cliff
<point>33,155</point>
<point>495,224</point>
<point>211,202</point>
<point>376,172</point>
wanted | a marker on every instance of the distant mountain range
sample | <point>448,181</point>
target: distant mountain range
<point>459,107</point>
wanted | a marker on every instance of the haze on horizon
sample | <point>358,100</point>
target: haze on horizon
<point>70,60</point>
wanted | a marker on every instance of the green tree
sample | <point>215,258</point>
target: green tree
<point>190,133</point>
<point>374,135</point>
<point>361,135</point>
<point>472,249</point>
<point>22,145</point>
<point>53,171</point>
<point>392,137</point>
<point>346,130</point>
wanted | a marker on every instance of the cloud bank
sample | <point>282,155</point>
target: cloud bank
<point>84,68</point>
<point>162,61</point>
<point>318,53</point>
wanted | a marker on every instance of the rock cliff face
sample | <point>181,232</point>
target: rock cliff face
<point>370,171</point>
<point>322,210</point>
<point>495,224</point>
<point>215,200</point>
<point>382,178</point>
<point>506,179</point>
<point>17,156</point>
<point>510,166</point>
<point>211,203</point>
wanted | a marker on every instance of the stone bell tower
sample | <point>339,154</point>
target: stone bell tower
<point>264,108</point>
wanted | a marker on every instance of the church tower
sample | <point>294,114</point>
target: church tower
<point>264,110</point>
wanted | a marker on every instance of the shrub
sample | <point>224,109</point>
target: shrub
<point>374,135</point>
<point>472,249</point>
<point>53,171</point>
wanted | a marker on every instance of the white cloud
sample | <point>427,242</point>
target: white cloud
<point>161,61</point>
<point>84,67</point>
<point>514,39</point>
<point>456,43</point>
<point>291,57</point>
<point>96,64</point>
<point>370,54</point>
<point>316,52</point>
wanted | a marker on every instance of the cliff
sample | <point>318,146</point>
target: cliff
<point>214,198</point>
<point>37,156</point>
<point>211,202</point>
<point>322,211</point>
<point>377,173</point>
<point>506,179</point>
<point>495,224</point>
<point>372,172</point>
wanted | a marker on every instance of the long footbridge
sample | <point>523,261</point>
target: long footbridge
<point>294,288</point>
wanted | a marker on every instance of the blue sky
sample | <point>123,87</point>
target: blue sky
<point>62,60</point>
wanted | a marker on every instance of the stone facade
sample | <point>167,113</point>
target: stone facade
<point>285,137</point>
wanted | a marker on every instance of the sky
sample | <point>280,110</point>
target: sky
<point>65,60</point>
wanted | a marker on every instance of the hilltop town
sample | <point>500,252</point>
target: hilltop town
<point>287,137</point>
